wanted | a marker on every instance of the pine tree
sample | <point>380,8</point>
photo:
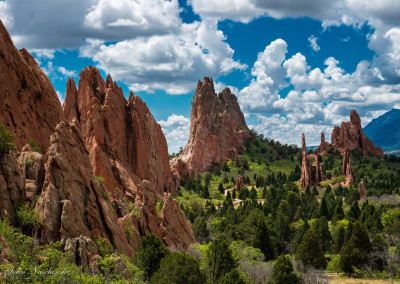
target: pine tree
<point>234,194</point>
<point>205,193</point>
<point>253,193</point>
<point>221,188</point>
<point>219,259</point>
<point>323,209</point>
<point>340,235</point>
<point>282,271</point>
<point>354,212</point>
<point>228,196</point>
<point>324,235</point>
<point>310,252</point>
<point>262,241</point>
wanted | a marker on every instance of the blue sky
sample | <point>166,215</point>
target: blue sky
<point>296,66</point>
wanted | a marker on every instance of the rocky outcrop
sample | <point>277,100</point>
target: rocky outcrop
<point>29,106</point>
<point>362,191</point>
<point>32,170</point>
<point>350,136</point>
<point>346,169</point>
<point>217,128</point>
<point>4,251</point>
<point>12,184</point>
<point>177,231</point>
<point>311,174</point>
<point>172,227</point>
<point>125,143</point>
<point>239,183</point>
<point>73,202</point>
<point>83,251</point>
<point>324,146</point>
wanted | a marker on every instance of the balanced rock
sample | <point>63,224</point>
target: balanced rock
<point>217,128</point>
<point>29,106</point>
<point>350,136</point>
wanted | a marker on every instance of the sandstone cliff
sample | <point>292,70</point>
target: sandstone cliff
<point>217,129</point>
<point>346,169</point>
<point>29,106</point>
<point>350,136</point>
<point>125,143</point>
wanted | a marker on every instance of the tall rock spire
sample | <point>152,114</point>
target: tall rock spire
<point>217,129</point>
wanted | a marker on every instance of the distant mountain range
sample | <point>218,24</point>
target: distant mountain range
<point>384,131</point>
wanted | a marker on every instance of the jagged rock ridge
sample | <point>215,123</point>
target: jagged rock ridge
<point>350,136</point>
<point>29,106</point>
<point>217,129</point>
<point>126,145</point>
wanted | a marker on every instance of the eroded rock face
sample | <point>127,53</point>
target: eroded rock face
<point>32,164</point>
<point>311,174</point>
<point>177,231</point>
<point>125,143</point>
<point>29,106</point>
<point>217,128</point>
<point>363,191</point>
<point>350,136</point>
<point>83,250</point>
<point>11,184</point>
<point>172,227</point>
<point>324,146</point>
<point>346,169</point>
<point>73,202</point>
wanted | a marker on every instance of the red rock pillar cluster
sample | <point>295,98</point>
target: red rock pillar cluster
<point>311,174</point>
<point>346,171</point>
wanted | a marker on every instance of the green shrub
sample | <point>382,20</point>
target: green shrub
<point>34,146</point>
<point>6,141</point>
<point>99,179</point>
<point>104,246</point>
<point>26,218</point>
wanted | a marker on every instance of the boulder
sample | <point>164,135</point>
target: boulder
<point>217,128</point>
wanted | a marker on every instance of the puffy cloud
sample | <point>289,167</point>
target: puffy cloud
<point>171,62</point>
<point>319,99</point>
<point>269,76</point>
<point>66,73</point>
<point>313,43</point>
<point>176,129</point>
<point>246,10</point>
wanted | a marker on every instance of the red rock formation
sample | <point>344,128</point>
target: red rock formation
<point>73,202</point>
<point>177,231</point>
<point>11,185</point>
<point>350,136</point>
<point>126,145</point>
<point>324,146</point>
<point>239,183</point>
<point>29,106</point>
<point>217,128</point>
<point>363,192</point>
<point>311,174</point>
<point>346,169</point>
